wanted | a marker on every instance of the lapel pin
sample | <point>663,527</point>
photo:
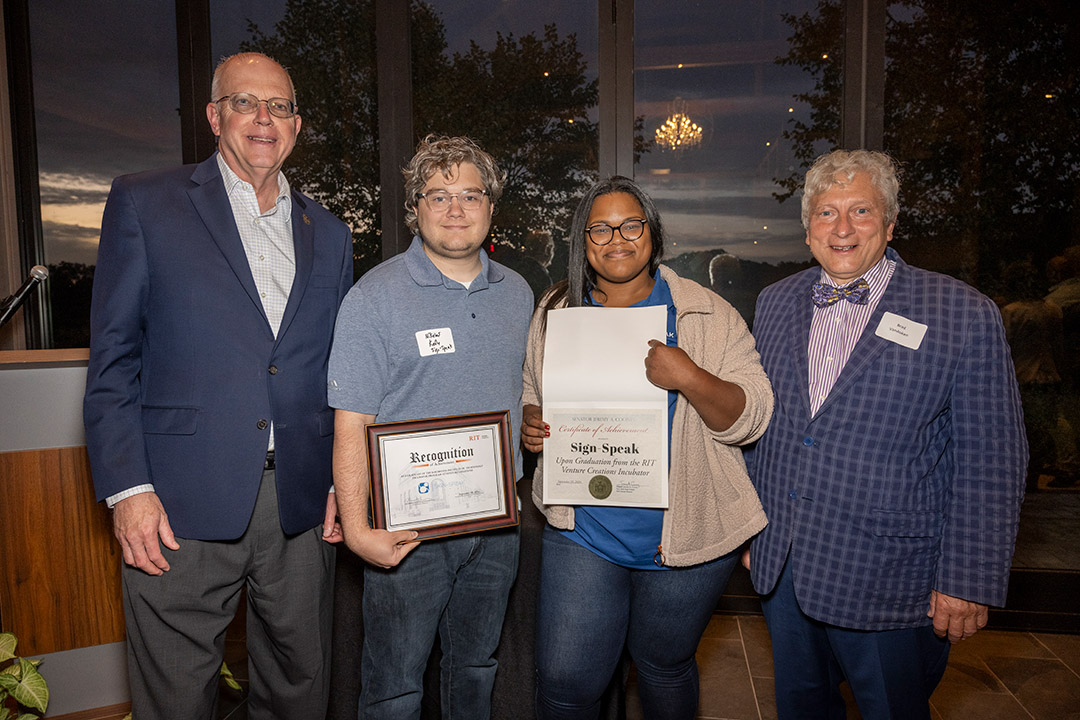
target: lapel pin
<point>307,220</point>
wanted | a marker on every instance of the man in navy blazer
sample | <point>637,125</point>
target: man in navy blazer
<point>207,425</point>
<point>893,470</point>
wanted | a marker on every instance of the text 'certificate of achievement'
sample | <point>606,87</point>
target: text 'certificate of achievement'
<point>609,442</point>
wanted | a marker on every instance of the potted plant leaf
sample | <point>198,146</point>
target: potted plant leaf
<point>23,692</point>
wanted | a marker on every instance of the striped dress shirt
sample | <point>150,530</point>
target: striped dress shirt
<point>836,328</point>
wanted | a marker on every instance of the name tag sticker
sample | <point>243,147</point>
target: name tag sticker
<point>435,342</point>
<point>901,330</point>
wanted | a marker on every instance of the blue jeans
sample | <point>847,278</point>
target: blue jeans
<point>891,673</point>
<point>456,587</point>
<point>588,609</point>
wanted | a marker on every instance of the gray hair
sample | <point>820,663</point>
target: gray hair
<point>442,154</point>
<point>840,167</point>
<point>215,84</point>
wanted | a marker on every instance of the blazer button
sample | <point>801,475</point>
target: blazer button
<point>808,441</point>
<point>262,424</point>
<point>272,369</point>
<point>792,494</point>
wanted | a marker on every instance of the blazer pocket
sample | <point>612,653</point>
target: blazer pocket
<point>893,523</point>
<point>326,422</point>
<point>169,420</point>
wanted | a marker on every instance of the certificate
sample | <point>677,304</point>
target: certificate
<point>609,442</point>
<point>443,476</point>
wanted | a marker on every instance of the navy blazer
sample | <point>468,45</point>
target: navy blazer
<point>910,476</point>
<point>185,373</point>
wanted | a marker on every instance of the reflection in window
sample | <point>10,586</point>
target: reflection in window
<point>715,71</point>
<point>105,100</point>
<point>519,78</point>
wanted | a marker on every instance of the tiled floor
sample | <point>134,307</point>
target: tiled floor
<point>995,675</point>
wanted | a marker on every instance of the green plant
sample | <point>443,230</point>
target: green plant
<point>21,682</point>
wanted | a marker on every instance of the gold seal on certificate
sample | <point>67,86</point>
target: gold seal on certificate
<point>600,487</point>
<point>443,476</point>
<point>606,457</point>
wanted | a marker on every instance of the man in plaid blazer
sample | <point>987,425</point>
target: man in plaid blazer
<point>893,471</point>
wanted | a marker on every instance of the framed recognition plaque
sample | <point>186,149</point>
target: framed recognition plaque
<point>443,476</point>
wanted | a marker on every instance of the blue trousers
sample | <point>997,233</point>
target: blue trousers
<point>589,608</point>
<point>456,587</point>
<point>891,673</point>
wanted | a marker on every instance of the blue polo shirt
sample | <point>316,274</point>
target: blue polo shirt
<point>410,343</point>
<point>622,535</point>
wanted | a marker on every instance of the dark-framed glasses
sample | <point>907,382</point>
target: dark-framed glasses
<point>246,103</point>
<point>439,200</point>
<point>630,230</point>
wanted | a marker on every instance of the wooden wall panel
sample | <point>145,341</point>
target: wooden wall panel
<point>59,564</point>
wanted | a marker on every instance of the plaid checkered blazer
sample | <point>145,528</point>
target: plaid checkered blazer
<point>910,476</point>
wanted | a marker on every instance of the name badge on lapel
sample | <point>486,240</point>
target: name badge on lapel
<point>438,341</point>
<point>900,330</point>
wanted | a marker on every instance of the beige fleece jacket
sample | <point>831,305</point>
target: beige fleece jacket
<point>712,507</point>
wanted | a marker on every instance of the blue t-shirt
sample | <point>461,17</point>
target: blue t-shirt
<point>629,536</point>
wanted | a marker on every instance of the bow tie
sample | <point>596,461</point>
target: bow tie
<point>825,294</point>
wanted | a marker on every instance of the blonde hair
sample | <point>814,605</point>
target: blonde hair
<point>828,169</point>
<point>442,154</point>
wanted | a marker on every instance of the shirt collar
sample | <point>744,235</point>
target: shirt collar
<point>424,272</point>
<point>233,181</point>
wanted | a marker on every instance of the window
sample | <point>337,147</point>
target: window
<point>329,50</point>
<point>984,125</point>
<point>105,104</point>
<point>520,78</point>
<point>721,102</point>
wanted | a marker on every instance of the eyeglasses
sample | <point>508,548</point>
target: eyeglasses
<point>246,103</point>
<point>439,200</point>
<point>630,230</point>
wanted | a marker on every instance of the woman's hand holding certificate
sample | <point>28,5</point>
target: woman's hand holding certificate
<point>607,423</point>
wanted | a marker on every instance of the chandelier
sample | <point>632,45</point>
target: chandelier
<point>678,132</point>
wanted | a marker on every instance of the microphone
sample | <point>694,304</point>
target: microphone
<point>13,303</point>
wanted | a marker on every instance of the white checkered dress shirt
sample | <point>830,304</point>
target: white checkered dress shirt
<point>267,239</point>
<point>268,243</point>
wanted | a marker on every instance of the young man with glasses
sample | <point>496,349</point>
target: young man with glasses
<point>383,370</point>
<point>206,418</point>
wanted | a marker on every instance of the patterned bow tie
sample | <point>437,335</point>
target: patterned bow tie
<point>825,294</point>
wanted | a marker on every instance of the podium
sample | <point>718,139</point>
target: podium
<point>59,564</point>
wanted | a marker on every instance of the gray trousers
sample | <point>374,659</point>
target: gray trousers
<point>176,622</point>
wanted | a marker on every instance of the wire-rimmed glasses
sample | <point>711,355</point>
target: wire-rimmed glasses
<point>246,103</point>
